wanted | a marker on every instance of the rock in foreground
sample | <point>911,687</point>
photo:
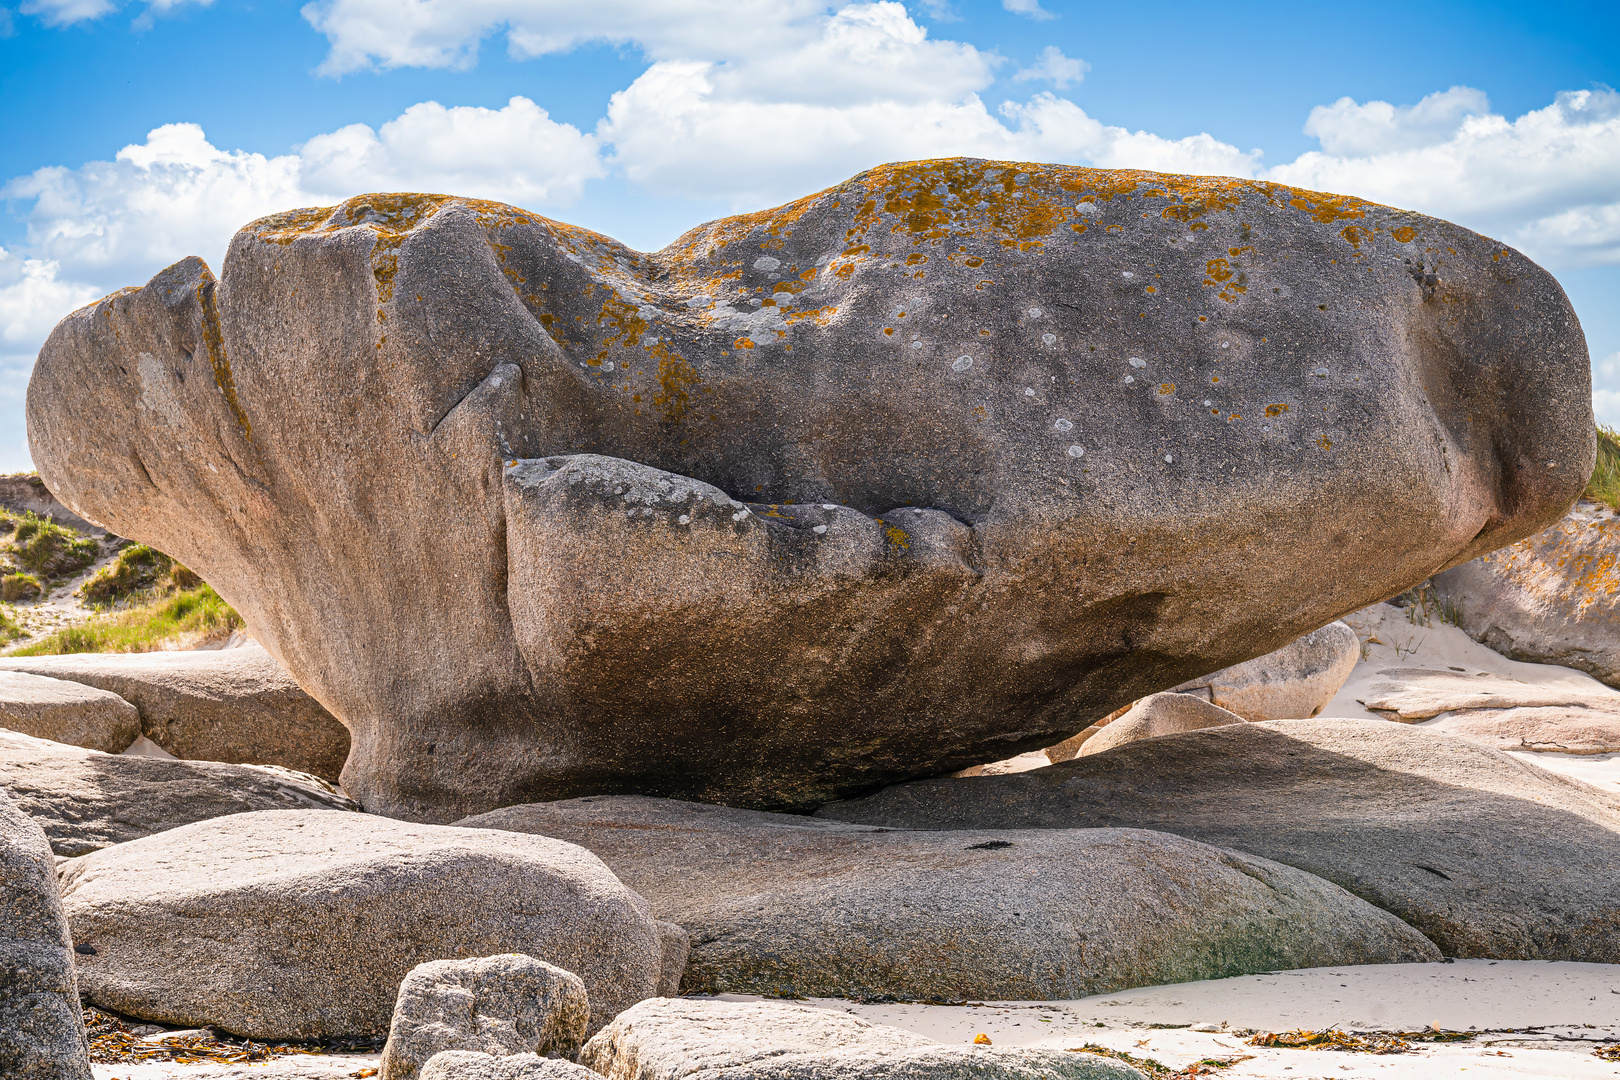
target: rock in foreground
<point>1486,855</point>
<point>41,1029</point>
<point>472,1065</point>
<point>86,800</point>
<point>67,712</point>
<point>943,464</point>
<point>687,1039</point>
<point>231,705</point>
<point>496,1005</point>
<point>302,924</point>
<point>786,905</point>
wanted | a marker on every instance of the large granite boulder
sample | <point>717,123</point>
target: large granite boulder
<point>786,905</point>
<point>1486,855</point>
<point>67,712</point>
<point>1553,598</point>
<point>931,468</point>
<point>688,1039</point>
<point>86,800</point>
<point>41,1028</point>
<point>232,705</point>
<point>301,924</point>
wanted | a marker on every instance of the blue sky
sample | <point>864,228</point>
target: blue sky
<point>134,134</point>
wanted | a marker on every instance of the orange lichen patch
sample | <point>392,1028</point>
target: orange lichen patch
<point>1217,271</point>
<point>214,343</point>
<point>1355,234</point>
<point>1403,235</point>
<point>980,413</point>
<point>1322,441</point>
<point>821,316</point>
<point>808,275</point>
<point>1234,416</point>
<point>888,330</point>
<point>1167,388</point>
<point>1152,288</point>
<point>915,258</point>
<point>1235,252</point>
<point>975,261</point>
<point>897,537</point>
<point>742,343</point>
<point>844,270</point>
<point>677,379</point>
<point>1276,410</point>
<point>789,287</point>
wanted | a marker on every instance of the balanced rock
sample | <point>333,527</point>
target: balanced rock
<point>67,712</point>
<point>1159,714</point>
<point>231,705</point>
<point>472,1065</point>
<point>942,464</point>
<point>786,905</point>
<point>1502,712</point>
<point>303,924</point>
<point>1295,682</point>
<point>687,1039</point>
<point>86,800</point>
<point>1486,855</point>
<point>1553,598</point>
<point>41,1029</point>
<point>495,1005</point>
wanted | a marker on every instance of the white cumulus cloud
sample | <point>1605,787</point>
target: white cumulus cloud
<point>66,12</point>
<point>1348,129</point>
<point>1055,68</point>
<point>1032,8</point>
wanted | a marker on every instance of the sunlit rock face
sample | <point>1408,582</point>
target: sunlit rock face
<point>927,469</point>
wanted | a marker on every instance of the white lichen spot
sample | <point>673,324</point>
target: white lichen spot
<point>1208,403</point>
<point>1226,344</point>
<point>961,363</point>
<point>1077,451</point>
<point>1129,379</point>
<point>1168,459</point>
<point>765,262</point>
<point>684,519</point>
<point>739,515</point>
<point>1029,391</point>
<point>916,344</point>
<point>1062,424</point>
<point>828,506</point>
<point>1127,275</point>
<point>608,366</point>
<point>818,529</point>
<point>618,491</point>
<point>1049,339</point>
<point>1035,312</point>
<point>1137,362</point>
<point>1320,372</point>
<point>755,302</point>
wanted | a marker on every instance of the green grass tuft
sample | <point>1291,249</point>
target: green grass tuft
<point>195,612</point>
<point>44,548</point>
<point>19,586</point>
<point>137,569</point>
<point>1605,483</point>
<point>9,629</point>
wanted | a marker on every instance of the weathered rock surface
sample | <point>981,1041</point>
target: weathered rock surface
<point>783,904</point>
<point>1501,712</point>
<point>471,1065</point>
<point>996,490</point>
<point>1295,682</point>
<point>302,924</point>
<point>1488,856</point>
<point>1553,598</point>
<point>1159,714</point>
<point>232,705</point>
<point>686,1039</point>
<point>494,1005</point>
<point>41,1029</point>
<point>67,712</point>
<point>86,800</point>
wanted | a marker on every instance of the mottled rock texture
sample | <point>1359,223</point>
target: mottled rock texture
<point>928,469</point>
<point>1486,855</point>
<point>232,705</point>
<point>1553,598</point>
<point>86,800</point>
<point>472,1065</point>
<point>498,1005</point>
<point>786,905</point>
<point>686,1039</point>
<point>41,1029</point>
<point>301,924</point>
<point>1159,714</point>
<point>67,712</point>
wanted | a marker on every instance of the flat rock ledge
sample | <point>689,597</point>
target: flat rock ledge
<point>788,905</point>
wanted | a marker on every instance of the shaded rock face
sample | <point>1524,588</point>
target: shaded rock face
<point>41,1028</point>
<point>685,1039</point>
<point>302,924</point>
<point>1553,598</point>
<point>931,468</point>
<point>86,801</point>
<point>231,705</point>
<point>1486,855</point>
<point>1155,715</point>
<point>67,712</point>
<point>497,1005</point>
<point>786,905</point>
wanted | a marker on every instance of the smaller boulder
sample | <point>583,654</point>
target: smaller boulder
<point>1295,682</point>
<point>471,1065</point>
<point>693,1039</point>
<point>232,705</point>
<point>498,1005</point>
<point>41,1028</point>
<point>67,712</point>
<point>1159,714</point>
<point>86,800</point>
<point>1505,713</point>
